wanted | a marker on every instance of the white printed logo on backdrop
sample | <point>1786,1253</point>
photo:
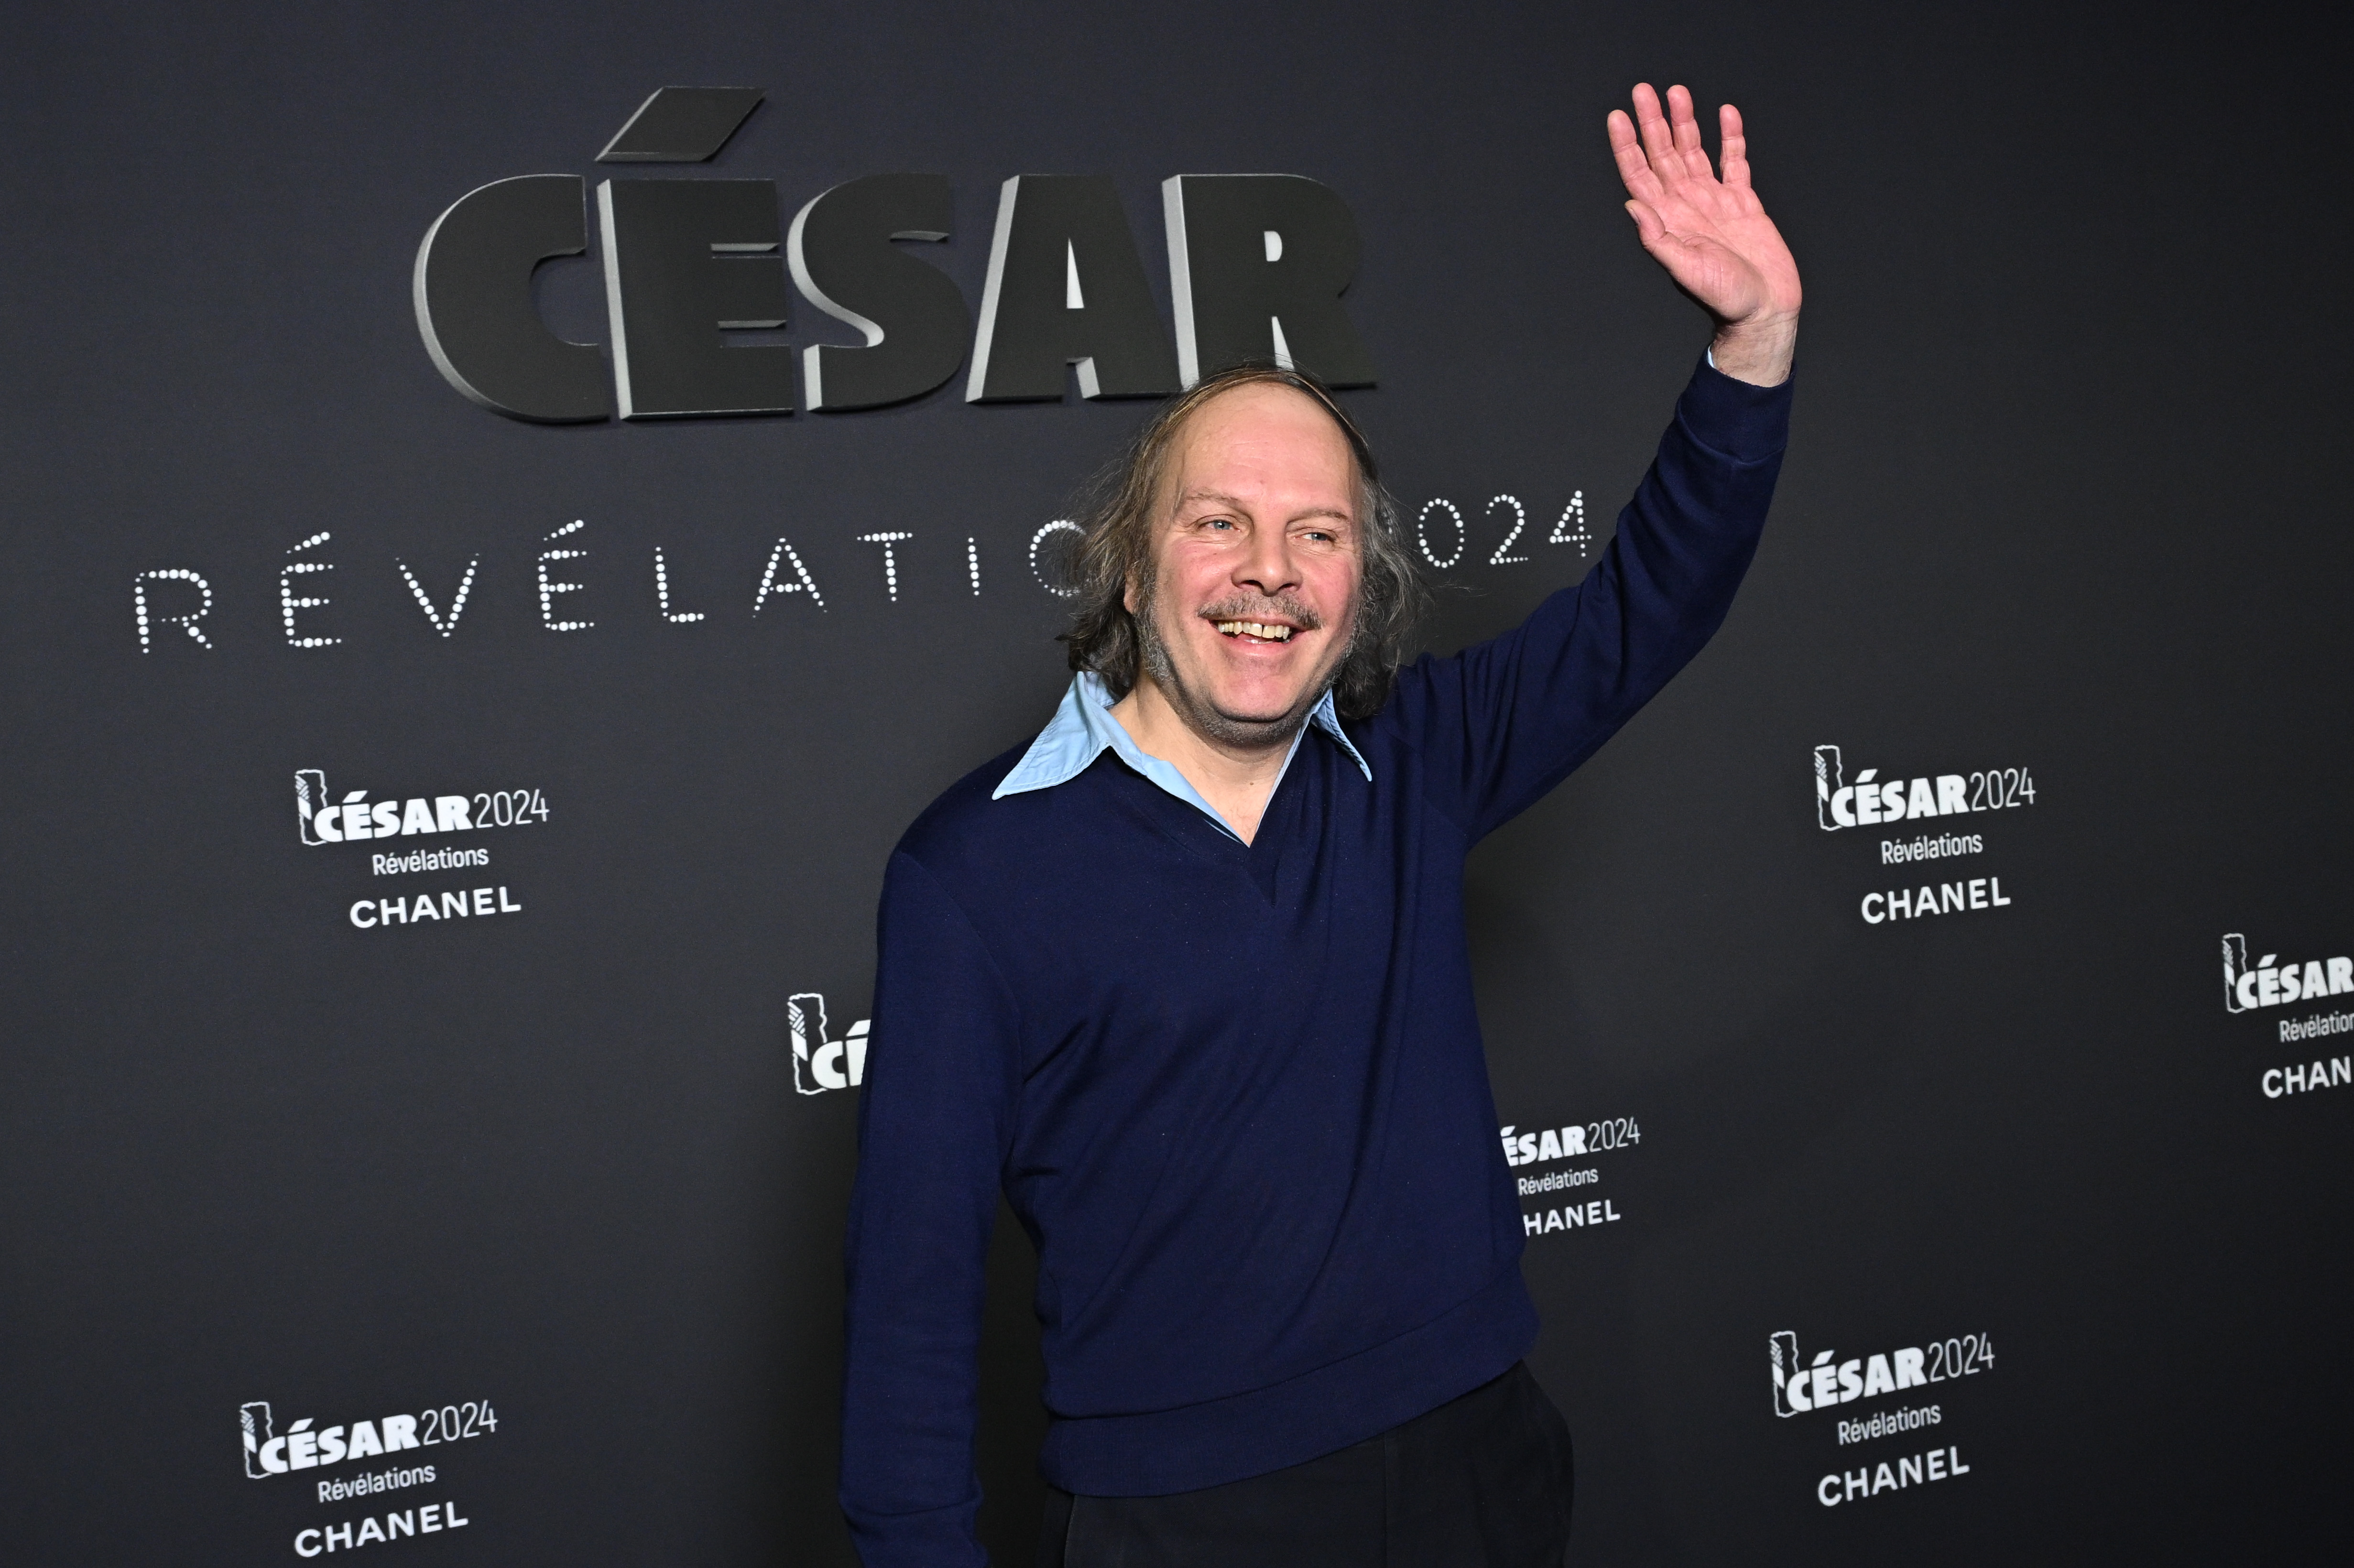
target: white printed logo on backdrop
<point>2268,982</point>
<point>1827,1381</point>
<point>398,1441</point>
<point>2271,982</point>
<point>820,1061</point>
<point>305,1446</point>
<point>1575,1141</point>
<point>1874,801</point>
<point>320,819</point>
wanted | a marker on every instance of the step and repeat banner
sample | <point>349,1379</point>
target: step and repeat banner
<point>509,513</point>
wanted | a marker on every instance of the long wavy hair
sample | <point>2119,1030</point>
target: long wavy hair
<point>1118,508</point>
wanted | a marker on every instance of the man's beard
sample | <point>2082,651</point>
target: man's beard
<point>1200,714</point>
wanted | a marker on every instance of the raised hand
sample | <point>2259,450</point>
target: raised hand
<point>1711,233</point>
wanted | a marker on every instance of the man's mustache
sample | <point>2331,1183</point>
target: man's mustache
<point>1263,607</point>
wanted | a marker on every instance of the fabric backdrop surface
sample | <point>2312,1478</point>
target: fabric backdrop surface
<point>1899,1178</point>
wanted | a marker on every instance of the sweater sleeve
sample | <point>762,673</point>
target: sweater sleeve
<point>1499,724</point>
<point>936,1115</point>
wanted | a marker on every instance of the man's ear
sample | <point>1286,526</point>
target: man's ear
<point>1129,596</point>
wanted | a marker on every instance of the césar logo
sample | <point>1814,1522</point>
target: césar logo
<point>1872,801</point>
<point>2268,982</point>
<point>1256,266</point>
<point>1827,1381</point>
<point>324,820</point>
<point>301,1448</point>
<point>819,1063</point>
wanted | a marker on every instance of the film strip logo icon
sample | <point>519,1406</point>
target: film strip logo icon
<point>2236,964</point>
<point>255,1420</point>
<point>310,798</point>
<point>1783,1347</point>
<point>1829,778</point>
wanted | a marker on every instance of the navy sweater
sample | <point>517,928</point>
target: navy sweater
<point>1236,1093</point>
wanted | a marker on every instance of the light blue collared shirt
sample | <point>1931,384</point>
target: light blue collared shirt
<point>1083,727</point>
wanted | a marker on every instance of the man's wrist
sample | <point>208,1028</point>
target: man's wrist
<point>1758,352</point>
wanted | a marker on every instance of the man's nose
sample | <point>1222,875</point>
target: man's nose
<point>1268,565</point>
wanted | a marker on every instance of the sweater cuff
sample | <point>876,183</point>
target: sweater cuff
<point>1745,423</point>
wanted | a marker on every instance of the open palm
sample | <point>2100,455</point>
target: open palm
<point>1706,228</point>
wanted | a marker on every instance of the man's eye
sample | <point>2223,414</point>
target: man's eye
<point>1219,523</point>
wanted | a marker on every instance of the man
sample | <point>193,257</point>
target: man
<point>1187,978</point>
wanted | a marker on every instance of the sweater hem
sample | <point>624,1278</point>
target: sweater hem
<point>1302,1418</point>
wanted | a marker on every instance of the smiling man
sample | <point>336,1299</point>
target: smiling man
<point>1186,979</point>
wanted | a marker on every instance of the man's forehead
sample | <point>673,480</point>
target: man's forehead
<point>1259,424</point>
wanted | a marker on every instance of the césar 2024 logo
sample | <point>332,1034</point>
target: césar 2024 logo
<point>1874,801</point>
<point>322,819</point>
<point>1828,1381</point>
<point>303,1445</point>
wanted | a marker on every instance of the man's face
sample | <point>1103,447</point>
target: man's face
<point>1256,565</point>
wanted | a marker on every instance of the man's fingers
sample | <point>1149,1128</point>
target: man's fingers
<point>1706,229</point>
<point>1733,147</point>
<point>1634,169</point>
<point>1659,142</point>
<point>1686,131</point>
<point>1624,144</point>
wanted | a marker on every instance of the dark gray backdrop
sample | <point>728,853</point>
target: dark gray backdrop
<point>2066,494</point>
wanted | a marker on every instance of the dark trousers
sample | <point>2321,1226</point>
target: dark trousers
<point>1482,1481</point>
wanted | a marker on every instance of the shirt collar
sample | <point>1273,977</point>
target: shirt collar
<point>1083,729</point>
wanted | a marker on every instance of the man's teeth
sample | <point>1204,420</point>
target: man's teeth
<point>1255,629</point>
